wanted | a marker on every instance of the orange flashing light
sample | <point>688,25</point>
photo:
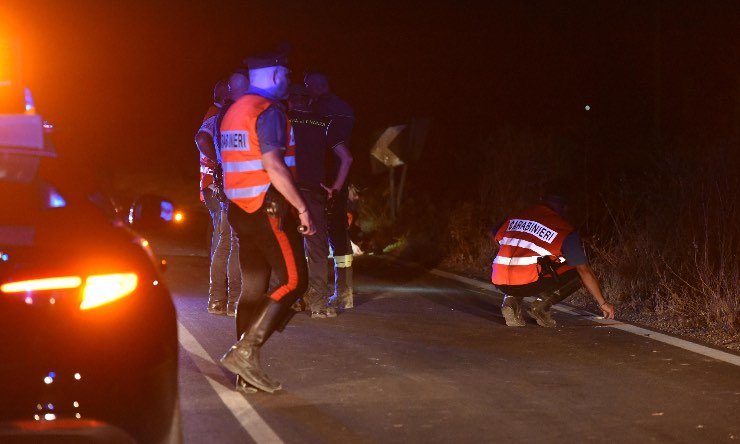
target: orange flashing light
<point>179,217</point>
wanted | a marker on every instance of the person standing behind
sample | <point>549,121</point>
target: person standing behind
<point>540,254</point>
<point>225,279</point>
<point>339,119</point>
<point>258,182</point>
<point>309,129</point>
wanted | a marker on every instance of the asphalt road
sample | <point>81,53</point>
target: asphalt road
<point>424,359</point>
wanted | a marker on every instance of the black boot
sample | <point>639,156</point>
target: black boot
<point>244,387</point>
<point>568,283</point>
<point>511,308</point>
<point>243,358</point>
<point>343,297</point>
<point>540,311</point>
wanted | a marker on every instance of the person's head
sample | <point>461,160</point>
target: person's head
<point>316,83</point>
<point>555,195</point>
<point>238,84</point>
<point>220,92</point>
<point>269,71</point>
<point>297,97</point>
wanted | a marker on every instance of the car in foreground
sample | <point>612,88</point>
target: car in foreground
<point>88,327</point>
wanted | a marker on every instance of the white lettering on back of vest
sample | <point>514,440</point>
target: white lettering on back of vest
<point>235,140</point>
<point>535,229</point>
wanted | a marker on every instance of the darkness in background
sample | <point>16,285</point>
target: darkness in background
<point>127,82</point>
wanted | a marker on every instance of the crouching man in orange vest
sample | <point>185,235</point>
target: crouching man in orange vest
<point>540,254</point>
<point>266,211</point>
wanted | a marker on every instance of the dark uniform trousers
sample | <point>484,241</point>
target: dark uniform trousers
<point>556,290</point>
<point>336,215</point>
<point>317,249</point>
<point>267,246</point>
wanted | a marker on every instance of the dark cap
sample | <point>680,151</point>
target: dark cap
<point>296,89</point>
<point>557,192</point>
<point>267,59</point>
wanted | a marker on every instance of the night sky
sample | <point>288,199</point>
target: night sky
<point>127,82</point>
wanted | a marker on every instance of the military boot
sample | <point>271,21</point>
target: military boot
<point>243,358</point>
<point>316,302</point>
<point>511,308</point>
<point>343,297</point>
<point>216,307</point>
<point>244,387</point>
<point>231,309</point>
<point>298,306</point>
<point>231,306</point>
<point>540,311</point>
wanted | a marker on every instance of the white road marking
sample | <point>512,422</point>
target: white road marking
<point>242,410</point>
<point>660,337</point>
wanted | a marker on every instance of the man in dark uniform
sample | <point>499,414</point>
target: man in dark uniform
<point>309,129</point>
<point>339,119</point>
<point>266,210</point>
<point>540,254</point>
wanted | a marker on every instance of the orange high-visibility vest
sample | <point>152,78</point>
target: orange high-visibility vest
<point>533,233</point>
<point>245,179</point>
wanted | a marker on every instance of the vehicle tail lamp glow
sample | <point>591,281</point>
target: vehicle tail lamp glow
<point>56,283</point>
<point>105,288</point>
<point>98,289</point>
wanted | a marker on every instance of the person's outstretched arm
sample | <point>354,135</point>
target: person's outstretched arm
<point>592,285</point>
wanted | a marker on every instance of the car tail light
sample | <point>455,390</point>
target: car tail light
<point>105,288</point>
<point>55,283</point>
<point>97,290</point>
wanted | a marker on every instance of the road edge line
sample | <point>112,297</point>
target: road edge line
<point>619,325</point>
<point>237,404</point>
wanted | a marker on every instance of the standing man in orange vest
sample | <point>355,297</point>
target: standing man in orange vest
<point>540,254</point>
<point>225,275</point>
<point>266,210</point>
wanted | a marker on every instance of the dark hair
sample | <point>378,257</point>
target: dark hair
<point>220,91</point>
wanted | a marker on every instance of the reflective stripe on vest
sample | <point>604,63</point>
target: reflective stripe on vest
<point>529,260</point>
<point>521,243</point>
<point>247,192</point>
<point>240,167</point>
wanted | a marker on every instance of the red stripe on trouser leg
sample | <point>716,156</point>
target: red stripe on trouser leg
<point>289,259</point>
